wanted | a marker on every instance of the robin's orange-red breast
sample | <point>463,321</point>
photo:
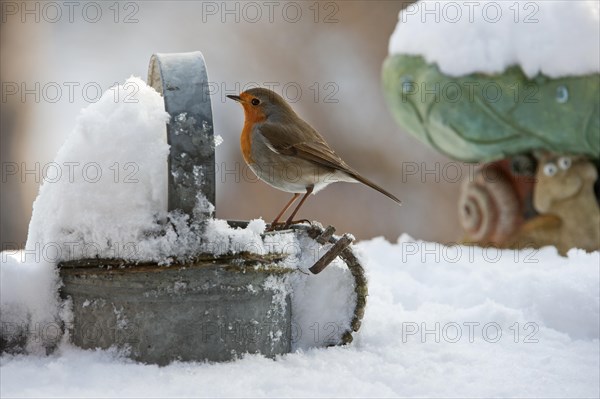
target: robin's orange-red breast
<point>287,153</point>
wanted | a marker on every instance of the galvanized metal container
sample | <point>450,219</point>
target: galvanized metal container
<point>212,309</point>
<point>209,308</point>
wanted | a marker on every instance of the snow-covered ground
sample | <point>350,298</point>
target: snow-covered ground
<point>440,322</point>
<point>555,37</point>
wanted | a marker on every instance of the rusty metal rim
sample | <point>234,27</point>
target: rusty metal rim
<point>241,261</point>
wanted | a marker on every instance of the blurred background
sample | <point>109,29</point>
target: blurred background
<point>324,57</point>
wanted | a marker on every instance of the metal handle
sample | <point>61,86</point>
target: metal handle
<point>182,80</point>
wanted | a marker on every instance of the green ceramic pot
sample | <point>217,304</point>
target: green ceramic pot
<point>481,118</point>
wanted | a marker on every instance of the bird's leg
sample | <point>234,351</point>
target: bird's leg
<point>288,222</point>
<point>285,208</point>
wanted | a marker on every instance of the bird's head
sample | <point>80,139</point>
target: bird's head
<point>261,104</point>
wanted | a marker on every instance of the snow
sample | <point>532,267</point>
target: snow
<point>412,284</point>
<point>555,38</point>
<point>323,304</point>
<point>118,152</point>
<point>28,295</point>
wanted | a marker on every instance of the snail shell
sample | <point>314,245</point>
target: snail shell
<point>489,207</point>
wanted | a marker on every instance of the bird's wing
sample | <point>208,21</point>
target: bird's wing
<point>303,142</point>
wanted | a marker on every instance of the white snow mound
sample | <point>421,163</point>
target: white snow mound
<point>555,38</point>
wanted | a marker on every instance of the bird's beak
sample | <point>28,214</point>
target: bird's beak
<point>236,98</point>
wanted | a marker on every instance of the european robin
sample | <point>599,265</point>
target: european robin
<point>287,153</point>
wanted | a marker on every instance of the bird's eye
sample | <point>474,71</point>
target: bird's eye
<point>550,169</point>
<point>255,101</point>
<point>564,163</point>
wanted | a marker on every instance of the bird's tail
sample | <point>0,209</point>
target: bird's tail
<point>374,186</point>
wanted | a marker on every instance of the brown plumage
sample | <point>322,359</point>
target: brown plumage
<point>287,153</point>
